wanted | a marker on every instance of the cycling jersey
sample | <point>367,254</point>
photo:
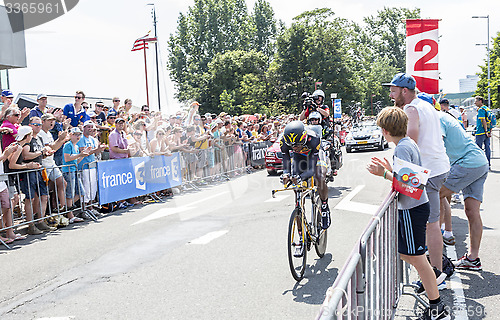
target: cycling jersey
<point>304,160</point>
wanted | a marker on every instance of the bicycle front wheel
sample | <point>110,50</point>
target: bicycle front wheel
<point>296,239</point>
<point>320,244</point>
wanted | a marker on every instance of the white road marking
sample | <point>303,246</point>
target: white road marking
<point>348,205</point>
<point>278,198</point>
<point>163,213</point>
<point>188,208</point>
<point>459,305</point>
<point>208,237</point>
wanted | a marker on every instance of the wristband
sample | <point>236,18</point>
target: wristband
<point>385,173</point>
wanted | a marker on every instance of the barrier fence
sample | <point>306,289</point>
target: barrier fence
<point>373,278</point>
<point>102,182</point>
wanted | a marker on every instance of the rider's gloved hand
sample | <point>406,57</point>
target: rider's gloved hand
<point>284,178</point>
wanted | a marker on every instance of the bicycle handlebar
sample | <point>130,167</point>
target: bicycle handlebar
<point>291,186</point>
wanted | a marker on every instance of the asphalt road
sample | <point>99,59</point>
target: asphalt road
<point>217,253</point>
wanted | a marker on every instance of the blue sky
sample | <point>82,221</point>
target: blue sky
<point>89,47</point>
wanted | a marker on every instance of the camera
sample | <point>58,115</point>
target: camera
<point>308,102</point>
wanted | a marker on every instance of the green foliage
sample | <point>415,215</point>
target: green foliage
<point>239,62</point>
<point>482,85</point>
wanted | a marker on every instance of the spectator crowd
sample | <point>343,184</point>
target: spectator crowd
<point>50,162</point>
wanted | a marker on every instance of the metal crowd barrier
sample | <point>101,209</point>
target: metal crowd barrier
<point>16,197</point>
<point>213,164</point>
<point>373,278</point>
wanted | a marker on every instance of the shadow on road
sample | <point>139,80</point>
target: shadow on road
<point>317,279</point>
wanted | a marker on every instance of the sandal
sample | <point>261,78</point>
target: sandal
<point>6,240</point>
<point>18,237</point>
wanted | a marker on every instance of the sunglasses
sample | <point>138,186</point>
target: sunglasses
<point>111,117</point>
<point>137,134</point>
<point>85,107</point>
<point>36,124</point>
<point>78,98</point>
<point>116,100</point>
<point>16,115</point>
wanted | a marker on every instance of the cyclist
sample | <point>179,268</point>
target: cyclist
<point>304,148</point>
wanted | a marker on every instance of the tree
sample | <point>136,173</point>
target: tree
<point>311,51</point>
<point>482,85</point>
<point>240,73</point>
<point>388,34</point>
<point>209,28</point>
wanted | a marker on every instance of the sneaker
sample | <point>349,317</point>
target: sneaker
<point>436,312</point>
<point>440,277</point>
<point>299,250</point>
<point>43,226</point>
<point>465,264</point>
<point>122,205</point>
<point>33,230</point>
<point>449,241</point>
<point>455,198</point>
<point>75,219</point>
<point>85,216</point>
<point>325,216</point>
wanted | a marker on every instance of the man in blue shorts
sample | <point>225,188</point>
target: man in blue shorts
<point>469,169</point>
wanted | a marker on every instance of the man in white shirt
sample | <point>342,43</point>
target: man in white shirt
<point>425,129</point>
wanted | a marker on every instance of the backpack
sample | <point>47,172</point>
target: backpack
<point>491,119</point>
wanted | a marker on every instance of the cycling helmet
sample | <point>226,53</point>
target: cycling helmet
<point>295,134</point>
<point>319,93</point>
<point>314,115</point>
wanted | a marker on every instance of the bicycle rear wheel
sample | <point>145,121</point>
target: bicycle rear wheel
<point>320,244</point>
<point>296,237</point>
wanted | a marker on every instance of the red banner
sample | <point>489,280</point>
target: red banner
<point>422,53</point>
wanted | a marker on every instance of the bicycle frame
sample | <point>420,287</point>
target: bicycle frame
<point>301,193</point>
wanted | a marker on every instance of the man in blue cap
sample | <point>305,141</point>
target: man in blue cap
<point>425,129</point>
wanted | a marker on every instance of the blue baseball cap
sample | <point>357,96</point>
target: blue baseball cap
<point>7,94</point>
<point>403,80</point>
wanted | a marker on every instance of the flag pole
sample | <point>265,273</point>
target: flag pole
<point>146,71</point>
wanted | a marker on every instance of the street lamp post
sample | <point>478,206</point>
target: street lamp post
<point>488,46</point>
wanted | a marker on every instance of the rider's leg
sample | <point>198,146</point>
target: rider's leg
<point>320,176</point>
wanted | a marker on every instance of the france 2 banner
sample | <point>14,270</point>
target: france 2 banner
<point>422,53</point>
<point>409,179</point>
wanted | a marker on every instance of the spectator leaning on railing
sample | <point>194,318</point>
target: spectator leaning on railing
<point>5,198</point>
<point>71,155</point>
<point>469,169</point>
<point>31,183</point>
<point>425,129</point>
<point>53,173</point>
<point>85,165</point>
<point>412,213</point>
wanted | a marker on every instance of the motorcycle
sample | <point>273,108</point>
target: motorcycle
<point>332,147</point>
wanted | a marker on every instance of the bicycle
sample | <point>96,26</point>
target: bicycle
<point>298,223</point>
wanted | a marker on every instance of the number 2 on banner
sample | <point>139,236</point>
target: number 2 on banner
<point>423,63</point>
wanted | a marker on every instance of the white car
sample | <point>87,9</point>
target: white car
<point>367,135</point>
